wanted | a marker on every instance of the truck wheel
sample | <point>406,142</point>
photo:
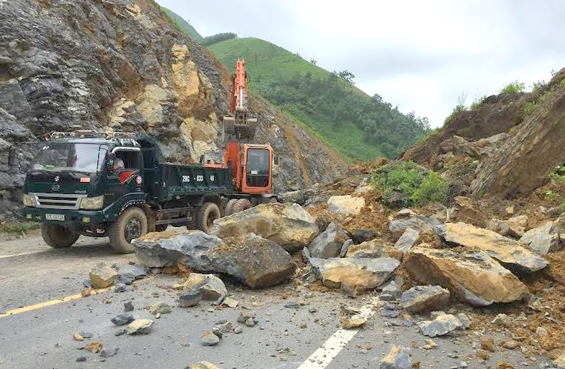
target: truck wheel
<point>229,206</point>
<point>206,216</point>
<point>241,205</point>
<point>131,224</point>
<point>58,236</point>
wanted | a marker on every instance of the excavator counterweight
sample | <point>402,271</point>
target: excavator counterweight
<point>238,125</point>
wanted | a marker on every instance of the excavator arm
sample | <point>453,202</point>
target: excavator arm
<point>238,125</point>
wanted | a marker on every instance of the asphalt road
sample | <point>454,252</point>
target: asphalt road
<point>31,274</point>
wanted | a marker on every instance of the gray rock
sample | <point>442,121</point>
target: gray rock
<point>253,260</point>
<point>464,320</point>
<point>399,226</point>
<point>361,235</point>
<point>353,273</point>
<point>435,314</point>
<point>397,358</point>
<point>140,326</point>
<point>328,244</point>
<point>424,298</point>
<point>211,286</point>
<point>250,322</point>
<point>542,240</point>
<point>237,330</point>
<point>86,334</point>
<point>81,359</point>
<point>160,308</point>
<point>245,315</point>
<point>407,240</point>
<point>128,306</point>
<point>209,339</point>
<point>109,352</point>
<point>440,326</point>
<point>123,319</point>
<point>128,273</point>
<point>392,289</point>
<point>190,299</point>
<point>227,327</point>
<point>345,247</point>
<point>405,214</point>
<point>120,287</point>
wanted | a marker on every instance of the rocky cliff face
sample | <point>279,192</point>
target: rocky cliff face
<point>117,65</point>
<point>507,147</point>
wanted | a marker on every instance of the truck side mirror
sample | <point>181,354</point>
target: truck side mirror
<point>276,160</point>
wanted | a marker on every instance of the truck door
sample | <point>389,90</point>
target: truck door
<point>124,173</point>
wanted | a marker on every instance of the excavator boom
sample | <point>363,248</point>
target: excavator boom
<point>238,125</point>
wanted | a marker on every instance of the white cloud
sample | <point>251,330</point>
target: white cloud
<point>420,55</point>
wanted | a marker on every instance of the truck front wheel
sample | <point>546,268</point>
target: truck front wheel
<point>131,224</point>
<point>58,236</point>
<point>206,216</point>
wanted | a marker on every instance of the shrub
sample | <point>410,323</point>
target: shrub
<point>458,108</point>
<point>513,87</point>
<point>536,86</point>
<point>478,101</point>
<point>407,184</point>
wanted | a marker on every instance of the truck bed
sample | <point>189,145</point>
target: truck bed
<point>180,180</point>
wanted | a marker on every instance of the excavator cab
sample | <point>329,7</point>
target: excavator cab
<point>257,169</point>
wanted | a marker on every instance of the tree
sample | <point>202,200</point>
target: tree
<point>313,61</point>
<point>210,40</point>
<point>347,76</point>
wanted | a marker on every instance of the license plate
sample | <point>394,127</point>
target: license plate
<point>55,217</point>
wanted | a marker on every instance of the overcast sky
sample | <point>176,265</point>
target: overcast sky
<point>419,55</point>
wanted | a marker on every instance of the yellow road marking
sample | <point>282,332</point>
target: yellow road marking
<point>52,302</point>
<point>22,254</point>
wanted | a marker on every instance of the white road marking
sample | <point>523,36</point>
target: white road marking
<point>323,356</point>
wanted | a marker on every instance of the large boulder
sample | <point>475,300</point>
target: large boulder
<point>440,326</point>
<point>399,226</point>
<point>508,252</point>
<point>466,210</point>
<point>424,298</point>
<point>328,243</point>
<point>471,275</point>
<point>353,274</point>
<point>253,260</point>
<point>346,205</point>
<point>543,239</point>
<point>289,225</point>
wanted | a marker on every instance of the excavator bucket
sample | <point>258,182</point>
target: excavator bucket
<point>240,129</point>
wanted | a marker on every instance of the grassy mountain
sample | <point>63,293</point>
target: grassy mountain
<point>352,123</point>
<point>357,126</point>
<point>182,25</point>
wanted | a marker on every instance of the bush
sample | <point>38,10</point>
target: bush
<point>478,101</point>
<point>460,107</point>
<point>407,184</point>
<point>18,227</point>
<point>513,87</point>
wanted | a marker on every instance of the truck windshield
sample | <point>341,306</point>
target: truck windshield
<point>70,156</point>
<point>258,162</point>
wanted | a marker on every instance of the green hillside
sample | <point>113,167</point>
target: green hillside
<point>352,123</point>
<point>183,25</point>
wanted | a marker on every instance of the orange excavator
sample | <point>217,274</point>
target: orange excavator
<point>251,164</point>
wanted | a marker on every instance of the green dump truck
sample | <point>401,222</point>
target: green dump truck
<point>115,185</point>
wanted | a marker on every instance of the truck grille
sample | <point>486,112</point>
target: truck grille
<point>57,200</point>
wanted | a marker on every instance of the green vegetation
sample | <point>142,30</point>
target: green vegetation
<point>559,174</point>
<point>327,104</point>
<point>460,107</point>
<point>180,24</point>
<point>551,195</point>
<point>18,227</point>
<point>406,184</point>
<point>211,40</point>
<point>478,101</point>
<point>513,87</point>
<point>536,86</point>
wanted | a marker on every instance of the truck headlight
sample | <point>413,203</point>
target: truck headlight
<point>92,203</point>
<point>28,200</point>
